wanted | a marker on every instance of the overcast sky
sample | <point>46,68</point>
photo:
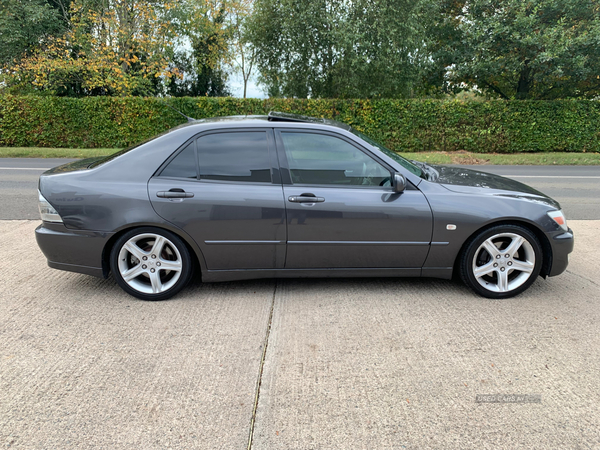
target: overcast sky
<point>236,84</point>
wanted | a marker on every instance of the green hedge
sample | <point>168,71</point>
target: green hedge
<point>403,125</point>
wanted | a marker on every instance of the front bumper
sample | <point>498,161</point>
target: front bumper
<point>72,250</point>
<point>562,245</point>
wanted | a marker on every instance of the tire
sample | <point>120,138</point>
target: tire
<point>150,263</point>
<point>502,261</point>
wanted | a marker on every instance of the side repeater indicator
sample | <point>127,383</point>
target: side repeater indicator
<point>451,227</point>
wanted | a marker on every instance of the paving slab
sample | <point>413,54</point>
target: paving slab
<point>83,365</point>
<point>388,364</point>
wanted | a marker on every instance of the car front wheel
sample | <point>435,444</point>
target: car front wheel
<point>150,263</point>
<point>502,261</point>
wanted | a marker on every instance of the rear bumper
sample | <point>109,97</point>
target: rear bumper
<point>562,245</point>
<point>72,250</point>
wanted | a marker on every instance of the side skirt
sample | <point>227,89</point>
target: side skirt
<point>231,275</point>
<point>437,272</point>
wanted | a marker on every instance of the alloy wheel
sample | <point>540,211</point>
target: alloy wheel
<point>150,263</point>
<point>503,262</point>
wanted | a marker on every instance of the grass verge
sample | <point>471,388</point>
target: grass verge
<point>39,152</point>
<point>533,159</point>
<point>519,159</point>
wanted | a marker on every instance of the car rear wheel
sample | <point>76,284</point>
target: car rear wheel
<point>150,263</point>
<point>502,261</point>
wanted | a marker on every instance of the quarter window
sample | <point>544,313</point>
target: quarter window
<point>234,156</point>
<point>183,165</point>
<point>322,159</point>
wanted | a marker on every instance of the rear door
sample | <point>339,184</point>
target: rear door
<point>341,210</point>
<point>223,188</point>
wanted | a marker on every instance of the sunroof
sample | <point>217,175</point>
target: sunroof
<point>275,116</point>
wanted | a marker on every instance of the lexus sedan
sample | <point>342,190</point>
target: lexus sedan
<point>281,196</point>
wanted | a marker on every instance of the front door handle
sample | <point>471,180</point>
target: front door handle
<point>305,198</point>
<point>174,193</point>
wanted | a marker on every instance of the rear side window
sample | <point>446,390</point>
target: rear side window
<point>234,156</point>
<point>183,165</point>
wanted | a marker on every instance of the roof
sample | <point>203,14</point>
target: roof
<point>274,117</point>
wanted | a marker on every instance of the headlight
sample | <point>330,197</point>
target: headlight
<point>47,211</point>
<point>559,218</point>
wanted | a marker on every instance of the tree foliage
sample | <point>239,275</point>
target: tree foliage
<point>204,25</point>
<point>26,25</point>
<point>110,48</point>
<point>327,48</point>
<point>520,49</point>
<point>243,53</point>
<point>127,47</point>
<point>508,49</point>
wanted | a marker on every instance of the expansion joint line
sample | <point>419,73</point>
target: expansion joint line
<point>260,371</point>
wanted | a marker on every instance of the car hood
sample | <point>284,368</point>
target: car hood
<point>468,181</point>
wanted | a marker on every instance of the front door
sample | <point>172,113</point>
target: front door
<point>341,210</point>
<point>223,190</point>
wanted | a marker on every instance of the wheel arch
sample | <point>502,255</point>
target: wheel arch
<point>545,243</point>
<point>198,257</point>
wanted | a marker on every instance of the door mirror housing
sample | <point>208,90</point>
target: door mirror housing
<point>399,184</point>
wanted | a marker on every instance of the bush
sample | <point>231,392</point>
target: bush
<point>403,125</point>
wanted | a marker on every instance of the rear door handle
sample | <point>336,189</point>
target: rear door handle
<point>305,198</point>
<point>174,193</point>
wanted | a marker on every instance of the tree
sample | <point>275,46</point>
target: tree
<point>201,70</point>
<point>243,52</point>
<point>516,49</point>
<point>327,48</point>
<point>112,47</point>
<point>26,25</point>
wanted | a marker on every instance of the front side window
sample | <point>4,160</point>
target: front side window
<point>395,156</point>
<point>322,159</point>
<point>234,156</point>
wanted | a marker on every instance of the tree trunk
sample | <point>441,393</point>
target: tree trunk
<point>524,84</point>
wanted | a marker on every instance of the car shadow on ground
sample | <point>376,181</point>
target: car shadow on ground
<point>89,287</point>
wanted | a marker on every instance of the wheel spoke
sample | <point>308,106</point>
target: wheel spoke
<point>155,281</point>
<point>502,281</point>
<point>134,250</point>
<point>522,266</point>
<point>486,269</point>
<point>491,248</point>
<point>170,265</point>
<point>159,243</point>
<point>132,273</point>
<point>514,245</point>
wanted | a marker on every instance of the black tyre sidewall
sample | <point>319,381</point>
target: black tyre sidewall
<point>471,247</point>
<point>186,260</point>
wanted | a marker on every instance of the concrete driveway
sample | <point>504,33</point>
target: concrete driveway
<point>348,364</point>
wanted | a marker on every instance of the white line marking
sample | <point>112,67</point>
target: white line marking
<point>24,168</point>
<point>548,176</point>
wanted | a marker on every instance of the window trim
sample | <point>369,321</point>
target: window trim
<point>285,168</point>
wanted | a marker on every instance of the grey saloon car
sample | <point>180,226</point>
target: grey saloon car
<point>276,196</point>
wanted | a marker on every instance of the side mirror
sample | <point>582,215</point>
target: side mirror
<point>399,183</point>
